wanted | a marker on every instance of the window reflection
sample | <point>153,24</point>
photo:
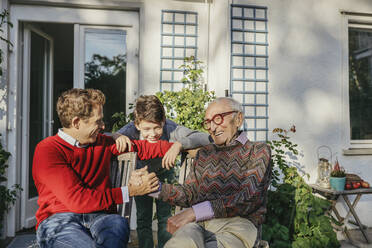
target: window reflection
<point>360,83</point>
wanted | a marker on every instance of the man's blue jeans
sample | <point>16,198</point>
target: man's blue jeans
<point>83,230</point>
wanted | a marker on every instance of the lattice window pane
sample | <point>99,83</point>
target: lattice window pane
<point>178,40</point>
<point>248,12</point>
<point>249,37</point>
<point>191,30</point>
<point>237,48</point>
<point>178,63</point>
<point>249,62</point>
<point>236,12</point>
<point>167,28</point>
<point>167,40</point>
<point>166,64</point>
<point>191,18</point>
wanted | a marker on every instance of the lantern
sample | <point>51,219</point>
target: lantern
<point>324,168</point>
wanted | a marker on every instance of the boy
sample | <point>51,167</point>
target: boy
<point>150,124</point>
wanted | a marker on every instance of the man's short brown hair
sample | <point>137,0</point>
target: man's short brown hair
<point>149,108</point>
<point>78,103</point>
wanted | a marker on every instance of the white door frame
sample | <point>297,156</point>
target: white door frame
<point>29,206</point>
<point>34,13</point>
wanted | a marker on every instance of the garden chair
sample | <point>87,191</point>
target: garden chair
<point>121,168</point>
<point>187,159</point>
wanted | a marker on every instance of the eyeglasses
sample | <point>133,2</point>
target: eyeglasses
<point>217,119</point>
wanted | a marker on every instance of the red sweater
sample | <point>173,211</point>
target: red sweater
<point>73,179</point>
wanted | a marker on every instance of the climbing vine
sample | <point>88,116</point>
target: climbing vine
<point>295,218</point>
<point>7,196</point>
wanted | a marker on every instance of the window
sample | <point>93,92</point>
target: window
<point>179,30</point>
<point>249,67</point>
<point>360,82</point>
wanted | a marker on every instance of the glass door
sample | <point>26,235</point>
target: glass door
<point>107,62</point>
<point>37,110</point>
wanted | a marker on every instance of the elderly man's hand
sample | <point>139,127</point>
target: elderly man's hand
<point>180,220</point>
<point>142,182</point>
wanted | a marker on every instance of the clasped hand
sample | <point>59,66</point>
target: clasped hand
<point>142,182</point>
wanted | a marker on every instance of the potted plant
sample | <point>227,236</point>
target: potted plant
<point>338,177</point>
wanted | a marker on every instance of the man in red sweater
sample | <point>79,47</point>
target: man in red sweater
<point>71,173</point>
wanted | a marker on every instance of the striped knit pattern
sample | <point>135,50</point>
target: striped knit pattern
<point>233,178</point>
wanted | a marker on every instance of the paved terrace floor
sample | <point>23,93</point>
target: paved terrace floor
<point>26,238</point>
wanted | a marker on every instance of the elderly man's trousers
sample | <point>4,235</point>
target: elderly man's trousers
<point>233,232</point>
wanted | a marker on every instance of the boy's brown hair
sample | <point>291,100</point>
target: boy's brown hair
<point>78,103</point>
<point>149,108</point>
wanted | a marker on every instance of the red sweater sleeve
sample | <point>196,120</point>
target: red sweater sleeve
<point>56,178</point>
<point>146,150</point>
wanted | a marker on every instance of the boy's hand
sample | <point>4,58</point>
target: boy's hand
<point>122,142</point>
<point>171,155</point>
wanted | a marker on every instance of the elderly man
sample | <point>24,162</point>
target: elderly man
<point>226,186</point>
<point>71,174</point>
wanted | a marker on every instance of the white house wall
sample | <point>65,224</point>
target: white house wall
<point>307,82</point>
<point>307,85</point>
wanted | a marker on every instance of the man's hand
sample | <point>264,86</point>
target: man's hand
<point>180,220</point>
<point>150,183</point>
<point>122,142</point>
<point>171,155</point>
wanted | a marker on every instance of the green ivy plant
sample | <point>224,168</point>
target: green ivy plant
<point>7,196</point>
<point>187,106</point>
<point>121,119</point>
<point>295,217</point>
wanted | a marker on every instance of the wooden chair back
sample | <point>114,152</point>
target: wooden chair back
<point>187,159</point>
<point>121,169</point>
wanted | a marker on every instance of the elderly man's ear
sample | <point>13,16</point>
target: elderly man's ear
<point>238,119</point>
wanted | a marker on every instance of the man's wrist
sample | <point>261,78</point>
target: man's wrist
<point>156,193</point>
<point>116,135</point>
<point>125,194</point>
<point>178,145</point>
<point>203,211</point>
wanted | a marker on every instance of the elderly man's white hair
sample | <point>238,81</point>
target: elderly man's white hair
<point>234,104</point>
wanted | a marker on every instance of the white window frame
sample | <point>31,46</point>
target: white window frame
<point>351,147</point>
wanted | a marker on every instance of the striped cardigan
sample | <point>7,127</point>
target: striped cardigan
<point>234,178</point>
